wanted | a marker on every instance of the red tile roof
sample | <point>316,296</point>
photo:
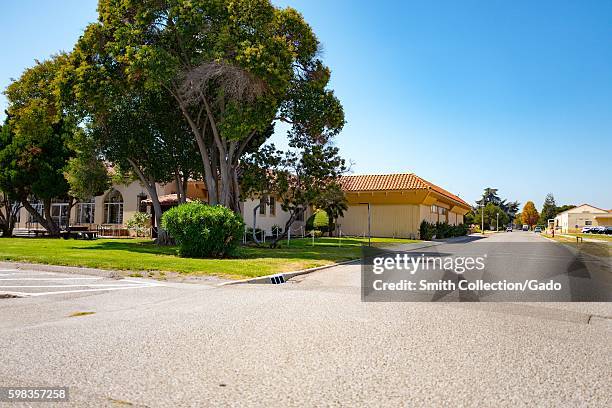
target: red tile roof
<point>403,181</point>
<point>167,199</point>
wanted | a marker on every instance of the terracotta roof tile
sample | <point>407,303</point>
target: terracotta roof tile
<point>404,181</point>
<point>167,199</point>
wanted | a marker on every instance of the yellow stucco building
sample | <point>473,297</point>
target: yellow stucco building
<point>398,204</point>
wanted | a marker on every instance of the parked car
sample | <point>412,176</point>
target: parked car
<point>508,229</point>
<point>537,229</point>
<point>598,230</point>
<point>586,230</point>
<point>609,230</point>
<point>525,227</point>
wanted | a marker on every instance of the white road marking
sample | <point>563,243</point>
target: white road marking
<point>59,292</point>
<point>48,279</point>
<point>70,286</point>
<point>40,278</point>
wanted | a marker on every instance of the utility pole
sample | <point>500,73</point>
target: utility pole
<point>483,206</point>
<point>497,224</point>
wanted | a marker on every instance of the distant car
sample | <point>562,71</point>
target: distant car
<point>598,230</point>
<point>537,229</point>
<point>525,227</point>
<point>508,229</point>
<point>609,230</point>
<point>586,230</point>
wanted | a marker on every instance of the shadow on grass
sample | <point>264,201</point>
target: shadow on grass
<point>298,249</point>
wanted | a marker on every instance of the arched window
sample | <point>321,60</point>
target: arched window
<point>113,207</point>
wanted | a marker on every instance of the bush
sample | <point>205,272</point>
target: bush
<point>440,230</point>
<point>201,230</point>
<point>140,224</point>
<point>318,221</point>
<point>259,233</point>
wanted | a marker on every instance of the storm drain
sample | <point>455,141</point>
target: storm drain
<point>275,280</point>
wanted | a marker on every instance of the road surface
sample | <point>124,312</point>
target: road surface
<point>309,342</point>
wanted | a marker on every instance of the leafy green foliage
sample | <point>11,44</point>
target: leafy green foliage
<point>549,210</point>
<point>333,201</point>
<point>231,68</point>
<point>441,230</point>
<point>490,196</point>
<point>140,223</point>
<point>492,214</point>
<point>318,221</point>
<point>201,230</point>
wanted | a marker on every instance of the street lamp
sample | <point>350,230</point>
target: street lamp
<point>369,225</point>
<point>497,224</point>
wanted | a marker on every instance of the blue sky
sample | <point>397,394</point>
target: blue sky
<point>470,94</point>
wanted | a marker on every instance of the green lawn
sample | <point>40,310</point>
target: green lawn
<point>143,255</point>
<point>599,237</point>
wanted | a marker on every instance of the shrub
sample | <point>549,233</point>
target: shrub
<point>201,230</point>
<point>259,233</point>
<point>140,223</point>
<point>318,221</point>
<point>440,230</point>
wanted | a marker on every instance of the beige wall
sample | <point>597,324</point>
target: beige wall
<point>585,215</point>
<point>391,220</point>
<point>387,220</point>
<point>267,221</point>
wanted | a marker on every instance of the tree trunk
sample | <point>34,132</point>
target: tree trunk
<point>330,226</point>
<point>288,225</point>
<point>47,224</point>
<point>8,216</point>
<point>162,236</point>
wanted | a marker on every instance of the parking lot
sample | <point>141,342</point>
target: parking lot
<point>31,283</point>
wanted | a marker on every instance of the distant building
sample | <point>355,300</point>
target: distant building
<point>585,215</point>
<point>398,205</point>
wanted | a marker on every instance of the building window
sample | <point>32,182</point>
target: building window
<point>272,206</point>
<point>434,209</point>
<point>39,207</point>
<point>588,223</point>
<point>113,208</point>
<point>300,216</point>
<point>442,210</point>
<point>85,212</point>
<point>262,205</point>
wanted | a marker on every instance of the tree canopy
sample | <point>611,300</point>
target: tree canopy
<point>231,67</point>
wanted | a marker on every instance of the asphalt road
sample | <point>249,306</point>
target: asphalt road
<point>310,342</point>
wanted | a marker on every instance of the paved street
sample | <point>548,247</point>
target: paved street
<point>309,342</point>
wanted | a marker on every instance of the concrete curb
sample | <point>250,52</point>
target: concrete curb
<point>285,276</point>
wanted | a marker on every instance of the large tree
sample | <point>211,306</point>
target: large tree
<point>490,196</point>
<point>530,214</point>
<point>144,133</point>
<point>34,149</point>
<point>494,216</point>
<point>231,67</point>
<point>549,209</point>
<point>298,177</point>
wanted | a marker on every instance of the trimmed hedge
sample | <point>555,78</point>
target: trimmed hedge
<point>441,230</point>
<point>201,230</point>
